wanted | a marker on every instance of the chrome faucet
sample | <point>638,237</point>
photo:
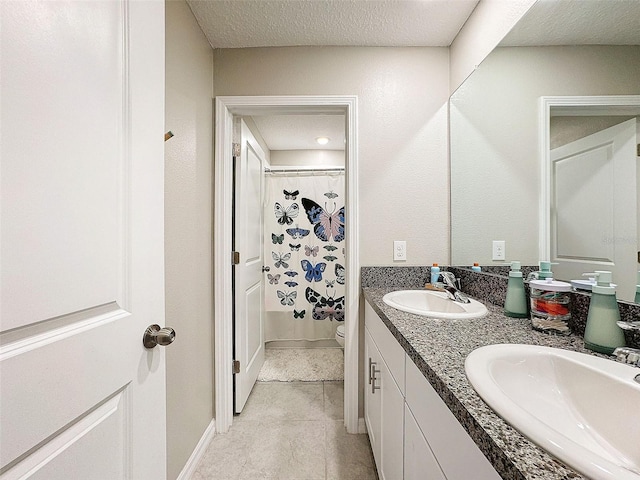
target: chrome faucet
<point>630,356</point>
<point>450,280</point>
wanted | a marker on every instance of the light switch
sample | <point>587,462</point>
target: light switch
<point>400,250</point>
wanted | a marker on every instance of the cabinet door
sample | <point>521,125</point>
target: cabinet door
<point>387,345</point>
<point>392,424</point>
<point>372,403</point>
<point>419,461</point>
<point>384,413</point>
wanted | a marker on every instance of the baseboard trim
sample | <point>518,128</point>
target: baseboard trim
<point>362,427</point>
<point>191,465</point>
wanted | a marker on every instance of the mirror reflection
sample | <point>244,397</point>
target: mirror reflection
<point>591,189</point>
<point>496,175</point>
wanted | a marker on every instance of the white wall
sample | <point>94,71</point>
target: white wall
<point>494,139</point>
<point>484,29</point>
<point>188,218</point>
<point>403,165</point>
<point>563,130</point>
<point>307,158</point>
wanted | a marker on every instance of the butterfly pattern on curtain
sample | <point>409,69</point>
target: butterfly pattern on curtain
<point>304,246</point>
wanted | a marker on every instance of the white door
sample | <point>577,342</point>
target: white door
<point>384,413</point>
<point>372,402</point>
<point>593,209</point>
<point>248,286</point>
<point>392,425</point>
<point>419,461</point>
<point>81,231</point>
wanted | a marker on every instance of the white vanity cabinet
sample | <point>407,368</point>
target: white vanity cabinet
<point>413,433</point>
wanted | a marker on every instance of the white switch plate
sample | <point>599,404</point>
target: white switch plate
<point>498,250</point>
<point>400,250</point>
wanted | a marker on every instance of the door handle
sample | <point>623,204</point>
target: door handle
<point>154,335</point>
<point>266,269</point>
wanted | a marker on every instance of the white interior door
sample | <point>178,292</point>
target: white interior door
<point>81,232</point>
<point>593,210</point>
<point>248,286</point>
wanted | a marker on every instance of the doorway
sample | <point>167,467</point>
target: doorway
<point>226,108</point>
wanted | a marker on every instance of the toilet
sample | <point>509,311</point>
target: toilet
<point>340,335</point>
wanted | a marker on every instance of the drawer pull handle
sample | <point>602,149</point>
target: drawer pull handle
<point>374,387</point>
<point>371,364</point>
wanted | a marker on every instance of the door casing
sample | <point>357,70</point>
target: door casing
<point>225,108</point>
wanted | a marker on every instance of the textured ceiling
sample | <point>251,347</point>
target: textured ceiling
<point>578,22</point>
<point>270,23</point>
<point>299,132</point>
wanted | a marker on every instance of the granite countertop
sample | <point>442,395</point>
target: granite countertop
<point>439,348</point>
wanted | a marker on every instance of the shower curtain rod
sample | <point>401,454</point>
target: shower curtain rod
<point>303,170</point>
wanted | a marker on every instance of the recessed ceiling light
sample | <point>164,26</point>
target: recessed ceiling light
<point>322,140</point>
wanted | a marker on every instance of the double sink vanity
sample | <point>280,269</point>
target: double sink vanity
<point>443,392</point>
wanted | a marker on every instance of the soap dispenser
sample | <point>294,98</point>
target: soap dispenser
<point>515,304</point>
<point>602,333</point>
<point>544,273</point>
<point>435,273</point>
<point>545,270</point>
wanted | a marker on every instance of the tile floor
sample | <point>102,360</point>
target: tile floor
<point>289,431</point>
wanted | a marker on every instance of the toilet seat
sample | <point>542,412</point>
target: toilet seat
<point>340,335</point>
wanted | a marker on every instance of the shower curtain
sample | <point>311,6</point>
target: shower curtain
<point>304,250</point>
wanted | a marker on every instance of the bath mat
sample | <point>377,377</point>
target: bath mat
<point>302,365</point>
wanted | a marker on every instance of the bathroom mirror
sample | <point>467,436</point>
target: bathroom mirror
<point>496,174</point>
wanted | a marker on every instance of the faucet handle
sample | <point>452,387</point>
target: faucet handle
<point>629,325</point>
<point>630,356</point>
<point>448,277</point>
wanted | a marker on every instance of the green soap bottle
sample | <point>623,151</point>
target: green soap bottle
<point>602,333</point>
<point>544,273</point>
<point>545,270</point>
<point>515,305</point>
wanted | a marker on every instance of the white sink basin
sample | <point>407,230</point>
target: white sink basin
<point>433,304</point>
<point>582,409</point>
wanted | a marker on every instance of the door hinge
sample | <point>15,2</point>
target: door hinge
<point>638,150</point>
<point>236,366</point>
<point>235,258</point>
<point>235,147</point>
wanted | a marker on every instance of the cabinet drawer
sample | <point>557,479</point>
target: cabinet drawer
<point>387,344</point>
<point>458,455</point>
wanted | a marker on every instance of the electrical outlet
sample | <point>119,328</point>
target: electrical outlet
<point>400,250</point>
<point>498,250</point>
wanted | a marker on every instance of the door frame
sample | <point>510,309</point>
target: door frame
<point>225,108</point>
<point>616,103</point>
